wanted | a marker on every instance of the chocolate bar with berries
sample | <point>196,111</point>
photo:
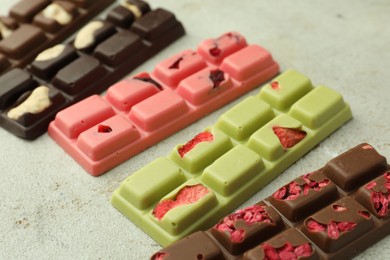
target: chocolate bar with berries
<point>335,212</point>
<point>101,53</point>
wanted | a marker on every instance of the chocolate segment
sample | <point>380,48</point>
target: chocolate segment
<point>335,227</point>
<point>35,25</point>
<point>346,173</point>
<point>233,167</point>
<point>100,54</point>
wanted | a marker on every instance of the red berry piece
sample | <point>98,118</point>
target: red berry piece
<point>293,190</point>
<point>217,77</point>
<point>333,229</point>
<point>146,78</point>
<point>202,137</point>
<point>158,256</point>
<point>252,214</point>
<point>275,85</point>
<point>175,65</point>
<point>380,200</point>
<point>104,129</point>
<point>187,195</point>
<point>288,137</point>
<point>215,52</point>
<point>287,251</point>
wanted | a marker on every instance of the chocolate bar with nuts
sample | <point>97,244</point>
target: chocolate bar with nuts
<point>101,53</point>
<point>34,25</point>
<point>335,212</point>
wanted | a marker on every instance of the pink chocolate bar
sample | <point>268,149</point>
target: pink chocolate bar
<point>137,112</point>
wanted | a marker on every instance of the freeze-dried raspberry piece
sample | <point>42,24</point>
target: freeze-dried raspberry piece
<point>252,214</point>
<point>201,137</point>
<point>339,208</point>
<point>380,200</point>
<point>293,190</point>
<point>275,85</point>
<point>217,77</point>
<point>187,195</point>
<point>159,256</point>
<point>313,225</point>
<point>364,214</point>
<point>333,229</point>
<point>104,129</point>
<point>215,51</point>
<point>145,77</point>
<point>288,137</point>
<point>175,65</point>
<point>286,252</point>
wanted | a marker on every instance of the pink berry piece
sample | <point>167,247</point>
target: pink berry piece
<point>159,256</point>
<point>313,189</point>
<point>376,196</point>
<point>187,195</point>
<point>288,137</point>
<point>338,224</point>
<point>275,85</point>
<point>199,138</point>
<point>236,231</point>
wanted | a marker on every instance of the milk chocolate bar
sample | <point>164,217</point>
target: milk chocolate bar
<point>101,53</point>
<point>220,168</point>
<point>34,25</point>
<point>335,212</point>
<point>139,111</point>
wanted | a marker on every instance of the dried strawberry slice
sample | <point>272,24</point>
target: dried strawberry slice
<point>187,195</point>
<point>288,137</point>
<point>201,137</point>
<point>313,225</point>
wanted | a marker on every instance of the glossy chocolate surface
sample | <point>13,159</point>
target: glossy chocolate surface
<point>104,53</point>
<point>337,226</point>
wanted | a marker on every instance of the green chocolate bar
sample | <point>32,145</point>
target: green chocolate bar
<point>218,170</point>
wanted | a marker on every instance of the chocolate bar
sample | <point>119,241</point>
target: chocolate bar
<point>201,181</point>
<point>34,25</point>
<point>101,53</point>
<point>335,212</point>
<point>101,132</point>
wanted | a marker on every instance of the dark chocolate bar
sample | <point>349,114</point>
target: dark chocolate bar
<point>101,53</point>
<point>34,25</point>
<point>335,212</point>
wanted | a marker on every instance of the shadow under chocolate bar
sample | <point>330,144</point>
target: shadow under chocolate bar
<point>101,53</point>
<point>34,25</point>
<point>335,212</point>
<point>212,174</point>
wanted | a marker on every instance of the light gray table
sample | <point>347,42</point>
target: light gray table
<point>50,208</point>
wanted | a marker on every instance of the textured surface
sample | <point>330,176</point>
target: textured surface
<point>51,209</point>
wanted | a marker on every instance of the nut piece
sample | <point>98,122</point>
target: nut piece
<point>50,53</point>
<point>4,31</point>
<point>85,36</point>
<point>37,102</point>
<point>133,8</point>
<point>57,12</point>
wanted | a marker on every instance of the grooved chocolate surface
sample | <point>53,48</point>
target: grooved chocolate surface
<point>309,218</point>
<point>31,30</point>
<point>101,53</point>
